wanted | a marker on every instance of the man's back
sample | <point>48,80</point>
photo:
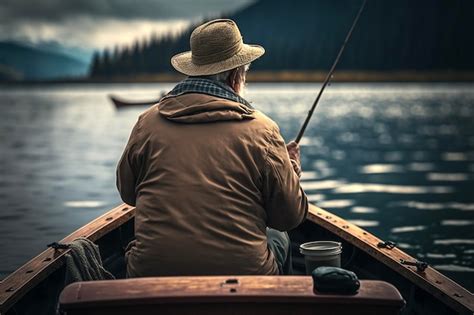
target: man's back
<point>208,175</point>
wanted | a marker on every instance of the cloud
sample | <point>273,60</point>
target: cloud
<point>60,10</point>
<point>89,33</point>
<point>103,23</point>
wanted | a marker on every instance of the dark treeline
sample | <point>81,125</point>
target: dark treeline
<point>306,35</point>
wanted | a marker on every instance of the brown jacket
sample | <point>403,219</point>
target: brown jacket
<point>207,176</point>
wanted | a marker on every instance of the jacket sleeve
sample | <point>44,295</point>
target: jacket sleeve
<point>128,168</point>
<point>286,203</point>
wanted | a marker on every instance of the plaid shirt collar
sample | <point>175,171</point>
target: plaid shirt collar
<point>206,86</point>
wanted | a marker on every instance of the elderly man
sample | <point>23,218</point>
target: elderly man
<point>213,182</point>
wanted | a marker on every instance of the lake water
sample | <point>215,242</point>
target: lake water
<point>396,159</point>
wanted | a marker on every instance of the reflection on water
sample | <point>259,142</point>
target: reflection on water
<point>309,175</point>
<point>454,156</point>
<point>357,188</point>
<point>363,210</point>
<point>457,222</point>
<point>455,268</point>
<point>365,223</point>
<point>396,159</point>
<point>331,204</point>
<point>405,229</point>
<point>435,205</point>
<point>453,241</point>
<point>407,246</point>
<point>420,167</point>
<point>84,204</point>
<point>393,156</point>
<point>381,168</point>
<point>440,256</point>
<point>322,184</point>
<point>314,198</point>
<point>447,177</point>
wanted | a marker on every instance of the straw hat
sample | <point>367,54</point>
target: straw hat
<point>216,46</point>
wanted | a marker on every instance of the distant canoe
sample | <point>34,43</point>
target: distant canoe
<point>120,103</point>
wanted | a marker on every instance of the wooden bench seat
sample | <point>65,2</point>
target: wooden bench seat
<point>224,295</point>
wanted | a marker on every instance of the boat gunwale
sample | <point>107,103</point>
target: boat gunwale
<point>21,281</point>
<point>431,280</point>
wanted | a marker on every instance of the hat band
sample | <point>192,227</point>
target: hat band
<point>218,56</point>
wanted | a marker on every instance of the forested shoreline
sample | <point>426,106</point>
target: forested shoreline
<point>430,36</point>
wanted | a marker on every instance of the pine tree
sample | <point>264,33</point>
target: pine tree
<point>95,68</point>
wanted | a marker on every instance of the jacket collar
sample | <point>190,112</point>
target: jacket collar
<point>206,86</point>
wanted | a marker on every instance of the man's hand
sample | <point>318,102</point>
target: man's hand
<point>294,153</point>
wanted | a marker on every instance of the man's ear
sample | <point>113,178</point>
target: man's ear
<point>232,78</point>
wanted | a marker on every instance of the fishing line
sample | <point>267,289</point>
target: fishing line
<point>329,75</point>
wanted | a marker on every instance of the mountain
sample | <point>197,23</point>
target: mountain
<point>421,35</point>
<point>19,61</point>
<point>80,53</point>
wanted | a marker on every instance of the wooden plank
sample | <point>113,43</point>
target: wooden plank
<point>25,278</point>
<point>221,289</point>
<point>430,280</point>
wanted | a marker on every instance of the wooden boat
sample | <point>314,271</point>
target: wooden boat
<point>37,284</point>
<point>120,103</point>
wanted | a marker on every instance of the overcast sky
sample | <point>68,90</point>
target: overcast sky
<point>102,23</point>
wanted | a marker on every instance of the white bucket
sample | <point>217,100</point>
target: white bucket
<point>321,253</point>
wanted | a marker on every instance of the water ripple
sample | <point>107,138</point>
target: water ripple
<point>306,175</point>
<point>315,197</point>
<point>448,177</point>
<point>454,156</point>
<point>405,229</point>
<point>453,242</point>
<point>342,203</point>
<point>453,268</point>
<point>420,167</point>
<point>357,188</point>
<point>440,256</point>
<point>323,184</point>
<point>457,222</point>
<point>393,156</point>
<point>360,209</point>
<point>365,223</point>
<point>407,246</point>
<point>381,168</point>
<point>434,205</point>
<point>84,204</point>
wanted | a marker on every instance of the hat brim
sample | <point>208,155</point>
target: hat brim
<point>183,62</point>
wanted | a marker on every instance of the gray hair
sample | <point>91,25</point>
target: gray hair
<point>224,76</point>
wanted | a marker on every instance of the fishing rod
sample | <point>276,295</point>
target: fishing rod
<point>329,75</point>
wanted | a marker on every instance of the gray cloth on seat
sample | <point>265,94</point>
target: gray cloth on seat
<point>83,262</point>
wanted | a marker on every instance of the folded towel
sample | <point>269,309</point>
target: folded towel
<point>83,262</point>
